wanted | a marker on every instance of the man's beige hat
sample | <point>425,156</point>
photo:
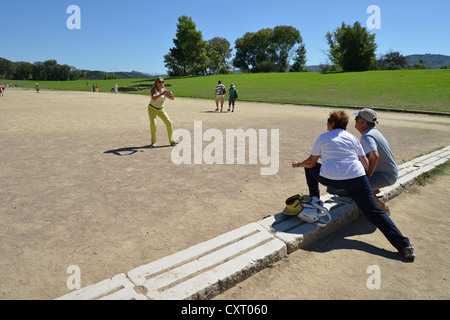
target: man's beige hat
<point>368,115</point>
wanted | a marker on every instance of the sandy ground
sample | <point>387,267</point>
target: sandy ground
<point>340,265</point>
<point>79,187</point>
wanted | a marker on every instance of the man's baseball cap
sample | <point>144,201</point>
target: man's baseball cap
<point>367,114</point>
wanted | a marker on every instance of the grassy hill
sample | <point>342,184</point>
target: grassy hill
<point>425,90</point>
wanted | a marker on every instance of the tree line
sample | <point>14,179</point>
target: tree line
<point>351,48</point>
<point>268,50</point>
<point>48,70</point>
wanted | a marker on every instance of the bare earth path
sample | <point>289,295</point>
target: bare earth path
<point>78,187</point>
<point>339,266</point>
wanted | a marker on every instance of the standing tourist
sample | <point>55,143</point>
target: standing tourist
<point>156,108</point>
<point>219,93</point>
<point>232,96</point>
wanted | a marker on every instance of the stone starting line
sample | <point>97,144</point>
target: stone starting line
<point>208,269</point>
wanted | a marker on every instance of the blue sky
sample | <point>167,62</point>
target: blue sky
<point>135,35</point>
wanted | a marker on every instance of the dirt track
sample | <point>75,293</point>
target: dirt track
<point>80,188</point>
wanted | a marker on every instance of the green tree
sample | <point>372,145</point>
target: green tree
<point>283,40</point>
<point>22,71</point>
<point>173,64</point>
<point>76,74</point>
<point>110,76</point>
<point>267,50</point>
<point>189,54</point>
<point>352,48</point>
<point>50,70</point>
<point>392,60</point>
<point>252,50</point>
<point>299,60</point>
<point>38,71</point>
<point>421,64</point>
<point>219,53</point>
<point>214,62</point>
<point>62,73</point>
<point>6,68</point>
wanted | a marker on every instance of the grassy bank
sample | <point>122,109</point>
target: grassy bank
<point>425,90</point>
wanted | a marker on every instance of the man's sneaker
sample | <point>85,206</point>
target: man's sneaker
<point>409,253</point>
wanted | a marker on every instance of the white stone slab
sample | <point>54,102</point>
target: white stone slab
<point>226,275</point>
<point>391,192</point>
<point>429,158</point>
<point>178,276</point>
<point>297,233</point>
<point>116,288</point>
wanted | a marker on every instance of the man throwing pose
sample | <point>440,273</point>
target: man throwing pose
<point>383,169</point>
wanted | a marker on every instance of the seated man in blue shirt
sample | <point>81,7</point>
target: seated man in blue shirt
<point>383,169</point>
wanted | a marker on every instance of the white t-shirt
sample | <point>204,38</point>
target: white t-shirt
<point>339,151</point>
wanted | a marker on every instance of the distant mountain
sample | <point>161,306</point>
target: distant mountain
<point>100,75</point>
<point>315,68</point>
<point>434,61</point>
